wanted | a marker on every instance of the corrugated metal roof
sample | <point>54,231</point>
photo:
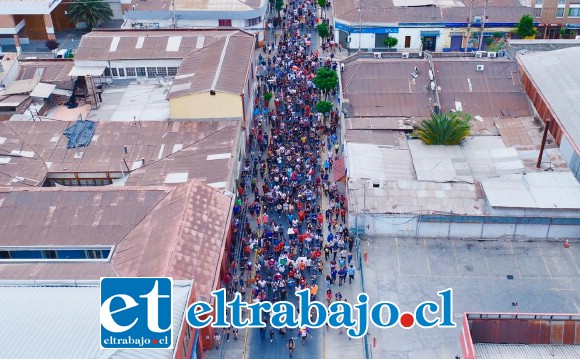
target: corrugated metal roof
<point>558,83</point>
<point>65,322</point>
<point>17,170</point>
<point>515,351</point>
<point>221,66</point>
<point>546,190</point>
<point>144,44</point>
<point>198,5</point>
<point>43,90</point>
<point>480,157</point>
<point>415,197</point>
<point>384,12</point>
<point>376,162</point>
<point>153,141</point>
<point>386,88</point>
<point>496,91</point>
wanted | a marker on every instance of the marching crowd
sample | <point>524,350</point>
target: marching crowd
<point>287,174</point>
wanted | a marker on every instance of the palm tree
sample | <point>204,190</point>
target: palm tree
<point>448,128</point>
<point>91,12</point>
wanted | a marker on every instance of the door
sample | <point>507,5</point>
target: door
<point>407,42</point>
<point>429,43</point>
<point>456,43</point>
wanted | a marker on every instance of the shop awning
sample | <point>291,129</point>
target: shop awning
<point>87,70</point>
<point>429,33</point>
<point>42,90</point>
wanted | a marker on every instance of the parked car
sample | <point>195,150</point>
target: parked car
<point>63,54</point>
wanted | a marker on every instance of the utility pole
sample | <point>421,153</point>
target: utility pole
<point>359,24</point>
<point>173,19</point>
<point>546,130</point>
<point>483,24</point>
<point>469,26</point>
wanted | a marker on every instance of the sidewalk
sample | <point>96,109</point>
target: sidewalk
<point>339,345</point>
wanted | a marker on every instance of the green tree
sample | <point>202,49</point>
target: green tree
<point>279,5</point>
<point>323,107</point>
<point>323,30</point>
<point>267,98</point>
<point>526,27</point>
<point>326,80</point>
<point>322,4</point>
<point>91,12</point>
<point>448,128</point>
<point>390,41</point>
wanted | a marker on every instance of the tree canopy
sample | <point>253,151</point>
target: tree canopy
<point>526,26</point>
<point>448,128</point>
<point>390,42</point>
<point>91,12</point>
<point>323,106</point>
<point>326,80</point>
<point>323,30</point>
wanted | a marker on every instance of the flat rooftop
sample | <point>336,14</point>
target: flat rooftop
<point>523,351</point>
<point>546,279</point>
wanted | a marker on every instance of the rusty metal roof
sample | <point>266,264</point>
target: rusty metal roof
<point>384,12</point>
<point>19,164</point>
<point>158,231</point>
<point>496,91</point>
<point>384,88</point>
<point>50,71</point>
<point>166,147</point>
<point>221,66</point>
<point>182,237</point>
<point>105,45</point>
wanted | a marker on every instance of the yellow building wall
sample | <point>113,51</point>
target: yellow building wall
<point>204,105</point>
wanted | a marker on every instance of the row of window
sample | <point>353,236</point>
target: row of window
<point>52,182</point>
<point>572,12</point>
<point>151,72</point>
<point>249,22</point>
<point>53,254</point>
<point>541,2</point>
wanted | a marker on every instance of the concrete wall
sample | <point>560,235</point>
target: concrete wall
<point>204,105</point>
<point>411,226</point>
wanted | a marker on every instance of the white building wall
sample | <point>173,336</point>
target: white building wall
<point>408,226</point>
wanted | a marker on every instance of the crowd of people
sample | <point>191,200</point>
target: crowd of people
<point>278,212</point>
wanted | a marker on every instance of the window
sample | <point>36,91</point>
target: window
<point>141,71</point>
<point>78,182</point>
<point>225,23</point>
<point>539,2</point>
<point>561,2</point>
<point>130,71</point>
<point>252,22</point>
<point>172,71</point>
<point>162,71</point>
<point>574,12</point>
<point>152,72</point>
<point>121,72</point>
<point>560,12</point>
<point>114,72</point>
<point>538,12</point>
<point>107,72</point>
<point>28,254</point>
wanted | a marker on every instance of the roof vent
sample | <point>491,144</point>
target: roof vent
<point>479,68</point>
<point>212,92</point>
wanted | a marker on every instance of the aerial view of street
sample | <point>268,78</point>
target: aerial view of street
<point>302,179</point>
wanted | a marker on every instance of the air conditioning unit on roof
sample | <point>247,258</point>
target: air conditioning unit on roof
<point>377,55</point>
<point>479,68</point>
<point>492,54</point>
<point>405,55</point>
<point>479,54</point>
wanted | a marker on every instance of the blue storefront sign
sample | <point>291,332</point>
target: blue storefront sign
<point>572,26</point>
<point>366,30</point>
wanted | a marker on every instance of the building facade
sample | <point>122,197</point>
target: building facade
<point>422,25</point>
<point>557,18</point>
